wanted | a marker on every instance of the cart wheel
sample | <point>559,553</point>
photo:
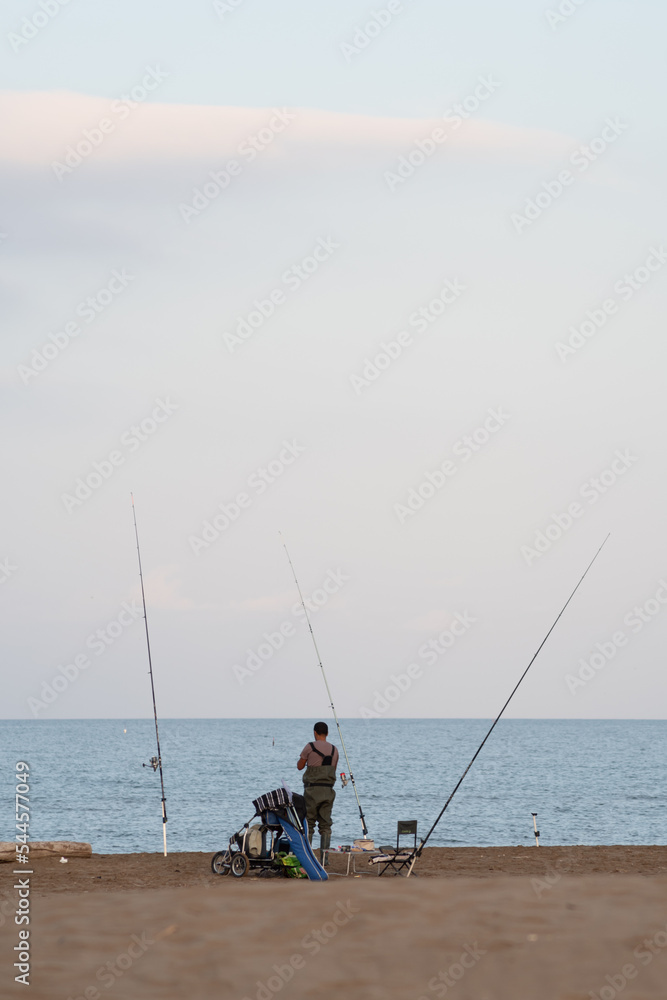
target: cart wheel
<point>239,865</point>
<point>220,863</point>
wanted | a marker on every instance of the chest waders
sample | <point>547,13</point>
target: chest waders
<point>319,793</point>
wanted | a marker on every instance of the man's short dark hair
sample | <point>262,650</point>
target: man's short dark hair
<point>321,729</point>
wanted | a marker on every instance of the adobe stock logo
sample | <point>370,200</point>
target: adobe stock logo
<point>259,481</point>
<point>605,651</point>
<point>430,651</point>
<point>31,26</point>
<point>88,309</point>
<point>555,187</point>
<point>92,138</point>
<point>275,640</point>
<point>223,7</point>
<point>219,180</point>
<point>437,478</point>
<point>592,491</point>
<point>644,953</point>
<point>419,320</point>
<point>424,148</point>
<point>364,34</point>
<point>131,440</point>
<point>293,278</point>
<point>565,9</point>
<point>625,288</point>
<point>7,568</point>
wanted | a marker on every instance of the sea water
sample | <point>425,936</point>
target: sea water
<point>590,782</point>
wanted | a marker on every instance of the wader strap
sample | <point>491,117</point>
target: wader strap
<point>327,759</point>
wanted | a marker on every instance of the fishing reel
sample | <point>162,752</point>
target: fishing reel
<point>153,762</point>
<point>343,779</point>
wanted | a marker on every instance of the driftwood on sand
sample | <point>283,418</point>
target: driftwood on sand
<point>47,849</point>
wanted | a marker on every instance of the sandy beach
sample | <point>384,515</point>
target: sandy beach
<point>117,872</point>
<point>479,924</point>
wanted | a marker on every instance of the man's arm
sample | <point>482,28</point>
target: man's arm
<point>301,763</point>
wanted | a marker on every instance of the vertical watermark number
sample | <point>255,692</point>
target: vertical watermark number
<point>22,885</point>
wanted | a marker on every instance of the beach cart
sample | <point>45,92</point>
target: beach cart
<point>275,845</point>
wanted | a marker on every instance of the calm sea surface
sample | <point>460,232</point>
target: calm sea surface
<point>591,782</point>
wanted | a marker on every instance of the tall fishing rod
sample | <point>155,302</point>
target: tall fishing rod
<point>417,851</point>
<point>150,671</point>
<point>326,683</point>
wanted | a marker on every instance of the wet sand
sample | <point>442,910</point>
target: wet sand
<point>479,924</point>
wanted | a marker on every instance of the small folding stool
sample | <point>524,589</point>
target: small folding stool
<point>396,859</point>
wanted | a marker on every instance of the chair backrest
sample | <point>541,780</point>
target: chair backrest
<point>406,828</point>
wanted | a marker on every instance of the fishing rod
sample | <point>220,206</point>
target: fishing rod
<point>417,851</point>
<point>156,762</point>
<point>536,831</point>
<point>319,660</point>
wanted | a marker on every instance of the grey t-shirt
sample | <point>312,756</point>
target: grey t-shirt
<point>313,759</point>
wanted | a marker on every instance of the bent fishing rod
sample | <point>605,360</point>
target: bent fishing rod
<point>156,762</point>
<point>326,683</point>
<point>417,851</point>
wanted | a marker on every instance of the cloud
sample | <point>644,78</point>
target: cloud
<point>39,126</point>
<point>162,588</point>
<point>433,621</point>
<point>269,602</point>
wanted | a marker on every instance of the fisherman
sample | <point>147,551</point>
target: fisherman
<point>320,760</point>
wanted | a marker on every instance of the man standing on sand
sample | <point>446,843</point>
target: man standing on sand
<point>320,760</point>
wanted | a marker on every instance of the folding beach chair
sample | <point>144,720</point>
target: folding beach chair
<point>396,859</point>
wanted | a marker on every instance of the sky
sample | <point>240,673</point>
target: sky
<point>381,282</point>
